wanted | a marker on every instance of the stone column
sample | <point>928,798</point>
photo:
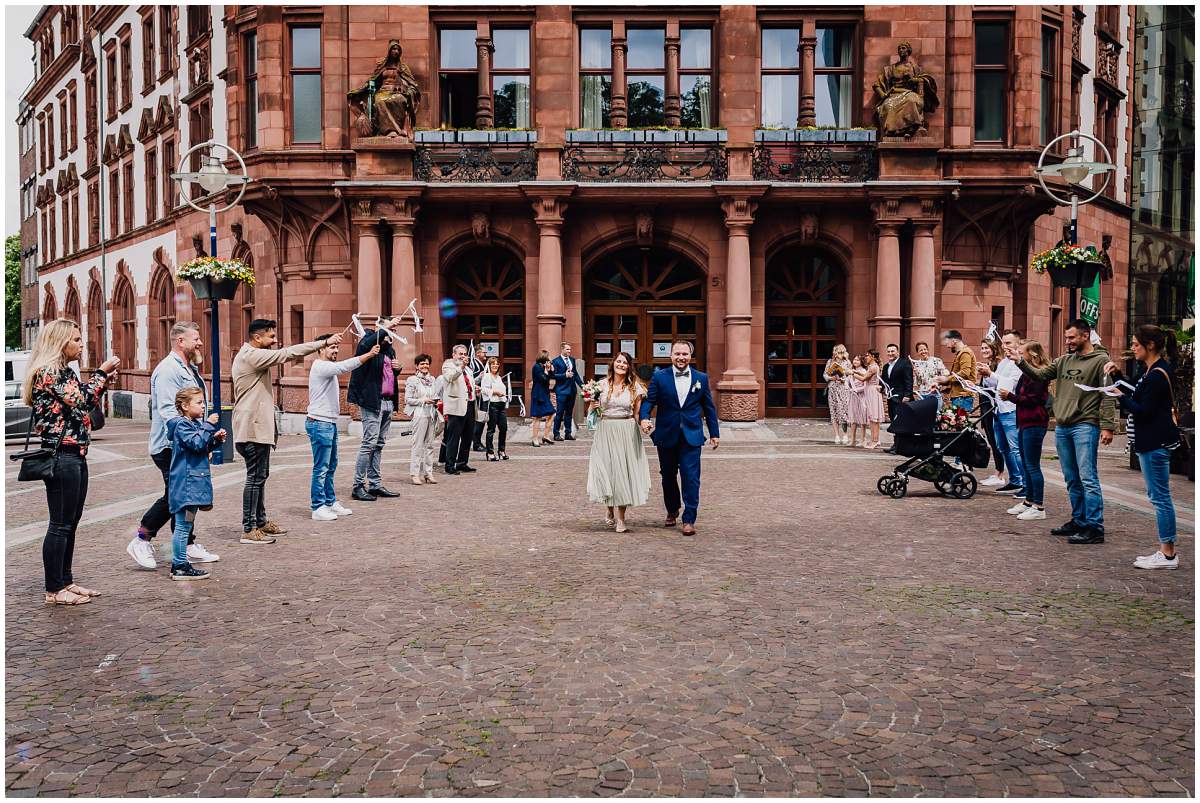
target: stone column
<point>548,214</point>
<point>618,116</point>
<point>738,386</point>
<point>808,103</point>
<point>370,277</point>
<point>887,286</point>
<point>923,290</point>
<point>672,106</point>
<point>404,268</point>
<point>484,48</point>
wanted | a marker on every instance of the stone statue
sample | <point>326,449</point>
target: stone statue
<point>907,94</point>
<point>386,105</point>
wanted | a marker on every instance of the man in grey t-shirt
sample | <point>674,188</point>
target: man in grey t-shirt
<point>324,404</point>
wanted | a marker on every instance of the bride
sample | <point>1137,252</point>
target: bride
<point>618,472</point>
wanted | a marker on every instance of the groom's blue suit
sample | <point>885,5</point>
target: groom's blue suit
<point>679,435</point>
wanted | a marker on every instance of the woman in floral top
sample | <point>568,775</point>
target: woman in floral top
<point>61,407</point>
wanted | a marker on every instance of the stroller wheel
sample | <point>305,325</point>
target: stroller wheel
<point>884,486</point>
<point>963,485</point>
<point>899,488</point>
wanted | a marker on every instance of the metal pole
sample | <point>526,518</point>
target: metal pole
<point>215,332</point>
<point>1073,294</point>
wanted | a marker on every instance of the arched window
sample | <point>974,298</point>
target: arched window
<point>49,309</point>
<point>124,323</point>
<point>71,308</point>
<point>162,314</point>
<point>97,349</point>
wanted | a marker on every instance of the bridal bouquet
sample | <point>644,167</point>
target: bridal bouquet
<point>952,418</point>
<point>591,393</point>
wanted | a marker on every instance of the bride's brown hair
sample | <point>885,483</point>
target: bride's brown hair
<point>630,380</point>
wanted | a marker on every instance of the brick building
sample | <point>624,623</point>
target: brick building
<point>614,178</point>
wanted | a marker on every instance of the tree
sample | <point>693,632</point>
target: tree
<point>12,292</point>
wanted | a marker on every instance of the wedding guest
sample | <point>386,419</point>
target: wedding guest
<point>254,433</point>
<point>897,372</point>
<point>963,367</point>
<point>858,403</point>
<point>1006,374</point>
<point>837,373</point>
<point>324,406</point>
<point>872,396</point>
<point>61,406</point>
<point>494,392</point>
<point>459,401</point>
<point>1082,419</point>
<point>373,389</point>
<point>567,382</point>
<point>1155,433</point>
<point>1033,419</point>
<point>421,395</point>
<point>618,471</point>
<point>540,407</point>
<point>478,364</point>
<point>926,368</point>
<point>192,439</point>
<point>178,370</point>
<point>983,366</point>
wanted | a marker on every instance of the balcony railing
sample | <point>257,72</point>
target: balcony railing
<point>652,155</point>
<point>819,156</point>
<point>475,156</point>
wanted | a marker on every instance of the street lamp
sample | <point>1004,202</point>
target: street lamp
<point>1074,169</point>
<point>213,178</point>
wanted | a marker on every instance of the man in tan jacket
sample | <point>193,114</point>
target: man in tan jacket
<point>254,433</point>
<point>458,405</point>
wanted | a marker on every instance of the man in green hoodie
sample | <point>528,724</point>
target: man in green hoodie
<point>1082,418</point>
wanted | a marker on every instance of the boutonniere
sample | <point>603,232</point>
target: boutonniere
<point>696,386</point>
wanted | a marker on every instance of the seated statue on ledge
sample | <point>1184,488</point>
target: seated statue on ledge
<point>386,105</point>
<point>906,95</point>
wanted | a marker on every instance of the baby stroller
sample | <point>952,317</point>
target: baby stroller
<point>917,438</point>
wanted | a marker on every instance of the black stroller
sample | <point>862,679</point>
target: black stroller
<point>917,438</point>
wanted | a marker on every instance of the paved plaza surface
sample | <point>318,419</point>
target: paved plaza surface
<point>489,636</point>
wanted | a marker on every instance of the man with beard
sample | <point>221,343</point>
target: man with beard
<point>174,373</point>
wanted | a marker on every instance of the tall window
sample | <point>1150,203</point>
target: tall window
<point>170,199</point>
<point>595,80</point>
<point>1049,78</point>
<point>780,77</point>
<point>645,76</point>
<point>50,135</point>
<point>162,314</point>
<point>73,116</point>
<point>458,77</point>
<point>93,191</point>
<point>834,77</point>
<point>42,141</point>
<point>124,323</point>
<point>166,39</point>
<point>510,78</point>
<point>63,125</point>
<point>1076,93</point>
<point>75,221</point>
<point>151,185</point>
<point>695,77</point>
<point>127,188</point>
<point>201,131</point>
<point>148,53</point>
<point>199,21</point>
<point>250,49</point>
<point>52,210</point>
<point>126,73</point>
<point>991,81</point>
<point>110,84</point>
<point>306,84</point>
<point>114,203</point>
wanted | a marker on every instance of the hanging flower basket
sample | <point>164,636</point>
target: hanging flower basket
<point>1069,265</point>
<point>216,279</point>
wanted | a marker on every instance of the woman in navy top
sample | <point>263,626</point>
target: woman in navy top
<point>1155,434</point>
<point>540,406</point>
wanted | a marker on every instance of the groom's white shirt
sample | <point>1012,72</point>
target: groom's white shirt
<point>682,384</point>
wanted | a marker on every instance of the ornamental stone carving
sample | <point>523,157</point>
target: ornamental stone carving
<point>735,406</point>
<point>906,96</point>
<point>386,105</point>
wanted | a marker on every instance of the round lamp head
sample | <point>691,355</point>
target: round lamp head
<point>212,175</point>
<point>1073,168</point>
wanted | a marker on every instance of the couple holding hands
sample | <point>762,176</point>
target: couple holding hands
<point>618,472</point>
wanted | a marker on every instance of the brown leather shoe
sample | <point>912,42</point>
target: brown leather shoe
<point>689,529</point>
<point>670,522</point>
<point>271,528</point>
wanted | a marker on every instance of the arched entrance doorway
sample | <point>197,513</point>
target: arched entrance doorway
<point>487,285</point>
<point>804,304</point>
<point>638,300</point>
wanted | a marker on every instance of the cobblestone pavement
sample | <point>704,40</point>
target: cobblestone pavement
<point>489,636</point>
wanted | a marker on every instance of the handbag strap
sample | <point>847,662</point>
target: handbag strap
<point>1171,390</point>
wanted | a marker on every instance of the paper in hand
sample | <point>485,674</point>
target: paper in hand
<point>1107,390</point>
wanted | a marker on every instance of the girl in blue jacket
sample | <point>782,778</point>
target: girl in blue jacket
<point>190,486</point>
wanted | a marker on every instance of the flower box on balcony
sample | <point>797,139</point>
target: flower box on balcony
<point>638,135</point>
<point>473,136</point>
<point>847,135</point>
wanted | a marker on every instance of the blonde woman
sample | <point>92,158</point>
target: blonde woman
<point>872,397</point>
<point>837,372</point>
<point>61,406</point>
<point>618,472</point>
<point>493,392</point>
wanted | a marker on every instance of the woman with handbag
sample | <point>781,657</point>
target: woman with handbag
<point>1156,433</point>
<point>61,415</point>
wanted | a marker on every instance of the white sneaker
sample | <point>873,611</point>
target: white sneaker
<point>993,480</point>
<point>1032,514</point>
<point>142,552</point>
<point>196,553</point>
<point>339,509</point>
<point>324,514</point>
<point>1157,561</point>
<point>1019,507</point>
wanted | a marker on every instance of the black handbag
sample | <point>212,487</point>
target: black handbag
<point>37,464</point>
<point>97,418</point>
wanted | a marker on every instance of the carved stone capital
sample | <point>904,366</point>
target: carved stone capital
<point>739,211</point>
<point>549,210</point>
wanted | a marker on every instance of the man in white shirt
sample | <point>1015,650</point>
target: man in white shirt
<point>1005,424</point>
<point>324,405</point>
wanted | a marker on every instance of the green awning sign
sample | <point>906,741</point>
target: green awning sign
<point>1089,303</point>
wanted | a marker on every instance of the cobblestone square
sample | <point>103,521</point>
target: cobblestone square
<point>489,636</point>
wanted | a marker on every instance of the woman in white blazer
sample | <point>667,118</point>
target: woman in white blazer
<point>420,403</point>
<point>493,392</point>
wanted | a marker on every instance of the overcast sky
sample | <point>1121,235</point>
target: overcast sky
<point>18,73</point>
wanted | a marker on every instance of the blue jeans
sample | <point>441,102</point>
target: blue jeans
<point>185,520</point>
<point>1077,445</point>
<point>965,402</point>
<point>1156,471</point>
<point>323,436</point>
<point>1031,464</point>
<point>1004,425</point>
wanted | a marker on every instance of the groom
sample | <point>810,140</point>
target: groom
<point>682,397</point>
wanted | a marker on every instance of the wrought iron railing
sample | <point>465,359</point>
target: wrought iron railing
<point>813,162</point>
<point>487,163</point>
<point>610,162</point>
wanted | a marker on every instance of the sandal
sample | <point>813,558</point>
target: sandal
<point>621,528</point>
<point>66,597</point>
<point>503,455</point>
<point>83,592</point>
<point>429,480</point>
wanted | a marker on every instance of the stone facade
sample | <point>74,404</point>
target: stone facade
<point>762,244</point>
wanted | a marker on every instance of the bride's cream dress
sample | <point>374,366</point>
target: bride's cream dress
<point>618,472</point>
